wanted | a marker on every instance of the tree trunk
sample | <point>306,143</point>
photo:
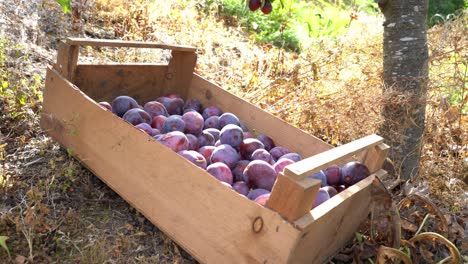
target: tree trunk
<point>405,81</point>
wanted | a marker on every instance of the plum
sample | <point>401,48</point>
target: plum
<point>158,122</point>
<point>333,174</point>
<point>243,126</point>
<point>231,135</point>
<point>211,111</point>
<point>238,171</point>
<point>220,171</point>
<point>158,137</point>
<point>261,154</point>
<point>121,104</point>
<point>281,163</point>
<point>207,151</point>
<point>262,199</point>
<point>330,190</point>
<point>147,128</point>
<point>340,188</point>
<point>278,152</point>
<point>267,7</point>
<point>194,157</point>
<point>321,197</point>
<point>173,123</point>
<point>173,105</point>
<point>260,174</point>
<point>319,175</point>
<point>105,105</point>
<point>175,140</point>
<point>253,194</point>
<point>226,184</point>
<point>241,187</point>
<point>267,142</point>
<point>214,132</point>
<point>248,134</point>
<point>225,154</point>
<point>193,122</point>
<point>292,156</point>
<point>248,146</point>
<point>192,104</point>
<point>192,142</point>
<point>205,139</point>
<point>155,108</point>
<point>353,172</point>
<point>212,122</point>
<point>254,4</point>
<point>218,143</point>
<point>137,116</point>
<point>228,118</point>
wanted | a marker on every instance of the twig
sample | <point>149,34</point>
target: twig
<point>422,224</point>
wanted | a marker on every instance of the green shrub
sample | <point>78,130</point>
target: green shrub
<point>441,10</point>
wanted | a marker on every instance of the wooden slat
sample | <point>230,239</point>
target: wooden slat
<point>67,57</point>
<point>305,167</point>
<point>212,222</point>
<point>256,119</point>
<point>179,72</point>
<point>105,82</point>
<point>330,225</point>
<point>375,157</point>
<point>130,44</point>
<point>293,199</point>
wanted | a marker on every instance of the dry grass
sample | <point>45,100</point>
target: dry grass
<point>332,91</point>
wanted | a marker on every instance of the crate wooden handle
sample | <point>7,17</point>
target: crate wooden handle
<point>180,67</point>
<point>294,193</point>
<point>128,44</point>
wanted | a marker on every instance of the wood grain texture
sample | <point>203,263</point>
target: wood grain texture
<point>212,222</point>
<point>326,228</point>
<point>130,44</point>
<point>305,167</point>
<point>179,72</point>
<point>256,119</point>
<point>374,157</point>
<point>293,199</point>
<point>67,57</point>
<point>143,82</point>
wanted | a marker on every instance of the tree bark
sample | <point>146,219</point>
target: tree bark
<point>405,81</point>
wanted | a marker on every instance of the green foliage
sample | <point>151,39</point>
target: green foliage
<point>3,244</point>
<point>65,4</point>
<point>442,10</point>
<point>293,24</point>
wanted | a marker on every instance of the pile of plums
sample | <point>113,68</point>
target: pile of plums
<point>219,143</point>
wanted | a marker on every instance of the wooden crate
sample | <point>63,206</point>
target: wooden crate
<point>213,223</point>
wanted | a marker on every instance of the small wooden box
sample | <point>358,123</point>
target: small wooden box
<point>213,223</point>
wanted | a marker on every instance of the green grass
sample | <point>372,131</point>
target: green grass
<point>294,24</point>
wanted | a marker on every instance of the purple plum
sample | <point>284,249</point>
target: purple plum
<point>278,152</point>
<point>253,194</point>
<point>321,197</point>
<point>175,140</point>
<point>158,122</point>
<point>205,139</point>
<point>319,175</point>
<point>281,163</point>
<point>238,171</point>
<point>194,157</point>
<point>193,122</point>
<point>207,151</point>
<point>333,174</point>
<point>155,108</point>
<point>212,122</point>
<point>105,105</point>
<point>262,199</point>
<point>261,154</point>
<point>173,123</point>
<point>214,132</point>
<point>228,118</point>
<point>225,154</point>
<point>353,172</point>
<point>231,135</point>
<point>248,146</point>
<point>330,190</point>
<point>121,104</point>
<point>267,142</point>
<point>192,142</point>
<point>220,171</point>
<point>211,111</point>
<point>173,105</point>
<point>260,174</point>
<point>192,104</point>
<point>137,116</point>
<point>241,187</point>
<point>292,156</point>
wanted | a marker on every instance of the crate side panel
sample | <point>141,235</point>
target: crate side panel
<point>330,225</point>
<point>144,82</point>
<point>257,119</point>
<point>210,221</point>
